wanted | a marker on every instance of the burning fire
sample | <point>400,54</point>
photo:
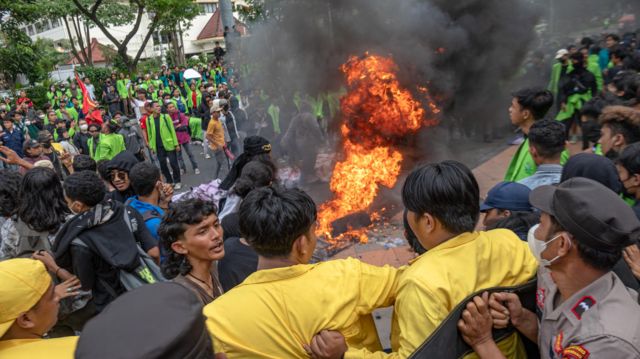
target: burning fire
<point>376,112</point>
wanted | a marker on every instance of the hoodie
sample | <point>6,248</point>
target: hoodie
<point>132,134</point>
<point>123,161</point>
<point>111,245</point>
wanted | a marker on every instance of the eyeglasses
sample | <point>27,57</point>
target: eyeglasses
<point>117,175</point>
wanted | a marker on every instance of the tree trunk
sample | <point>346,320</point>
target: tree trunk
<point>88,38</point>
<point>181,47</point>
<point>74,51</point>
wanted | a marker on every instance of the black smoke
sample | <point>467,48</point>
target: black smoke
<point>463,50</point>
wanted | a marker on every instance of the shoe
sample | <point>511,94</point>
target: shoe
<point>197,171</point>
<point>207,156</point>
<point>182,172</point>
<point>177,186</point>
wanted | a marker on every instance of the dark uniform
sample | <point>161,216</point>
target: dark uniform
<point>600,321</point>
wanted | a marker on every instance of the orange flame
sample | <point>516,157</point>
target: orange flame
<point>376,112</point>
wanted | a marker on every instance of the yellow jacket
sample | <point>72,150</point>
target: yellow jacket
<point>215,135</point>
<point>59,348</point>
<point>434,283</point>
<point>274,312</point>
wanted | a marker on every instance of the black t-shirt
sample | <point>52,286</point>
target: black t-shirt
<point>238,263</point>
<point>156,122</point>
<point>231,225</point>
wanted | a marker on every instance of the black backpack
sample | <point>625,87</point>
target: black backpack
<point>447,343</point>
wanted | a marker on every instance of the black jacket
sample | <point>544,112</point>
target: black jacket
<point>111,245</point>
<point>80,140</point>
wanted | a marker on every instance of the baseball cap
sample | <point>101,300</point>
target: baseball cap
<point>592,213</point>
<point>561,52</point>
<point>31,144</point>
<point>22,283</point>
<point>217,105</point>
<point>508,195</point>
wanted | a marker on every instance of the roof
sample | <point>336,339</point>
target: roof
<point>214,28</point>
<point>97,53</point>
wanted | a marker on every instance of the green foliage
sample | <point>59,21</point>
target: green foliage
<point>17,55</point>
<point>204,59</point>
<point>253,12</point>
<point>149,65</point>
<point>48,57</point>
<point>193,61</point>
<point>37,94</point>
<point>97,75</point>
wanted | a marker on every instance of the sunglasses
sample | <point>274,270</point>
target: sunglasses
<point>116,175</point>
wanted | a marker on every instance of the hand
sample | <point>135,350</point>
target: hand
<point>631,255</point>
<point>505,304</point>
<point>327,344</point>
<point>476,322</point>
<point>69,288</point>
<point>166,194</point>
<point>10,156</point>
<point>46,258</point>
<point>178,148</point>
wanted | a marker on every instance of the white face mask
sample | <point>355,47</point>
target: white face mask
<point>537,246</point>
<point>84,127</point>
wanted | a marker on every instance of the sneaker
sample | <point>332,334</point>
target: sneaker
<point>207,156</point>
<point>197,171</point>
<point>177,186</point>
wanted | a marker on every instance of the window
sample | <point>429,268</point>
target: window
<point>46,24</point>
<point>31,30</point>
<point>55,23</point>
<point>39,27</point>
<point>208,8</point>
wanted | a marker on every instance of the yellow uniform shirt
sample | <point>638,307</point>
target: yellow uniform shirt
<point>434,283</point>
<point>275,311</point>
<point>59,348</point>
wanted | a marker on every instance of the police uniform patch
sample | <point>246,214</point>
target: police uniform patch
<point>584,304</point>
<point>575,352</point>
<point>557,343</point>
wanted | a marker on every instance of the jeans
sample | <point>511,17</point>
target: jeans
<point>222,165</point>
<point>186,147</point>
<point>173,160</point>
<point>205,143</point>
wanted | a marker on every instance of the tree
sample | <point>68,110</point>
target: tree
<point>17,55</point>
<point>102,14</point>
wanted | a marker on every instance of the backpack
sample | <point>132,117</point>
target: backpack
<point>147,271</point>
<point>30,241</point>
<point>447,343</point>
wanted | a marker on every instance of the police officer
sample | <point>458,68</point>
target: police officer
<point>583,310</point>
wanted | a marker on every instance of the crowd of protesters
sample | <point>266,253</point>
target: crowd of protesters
<point>99,258</point>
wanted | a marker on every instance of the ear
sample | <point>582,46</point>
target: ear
<point>618,140</point>
<point>429,222</point>
<point>526,114</point>
<point>179,248</point>
<point>533,151</point>
<point>636,179</point>
<point>25,321</point>
<point>506,213</point>
<point>300,246</point>
<point>565,243</point>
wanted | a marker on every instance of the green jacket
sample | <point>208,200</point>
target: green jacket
<point>317,104</point>
<point>167,133</point>
<point>184,102</point>
<point>593,66</point>
<point>121,87</point>
<point>107,148</point>
<point>522,164</point>
<point>190,103</point>
<point>274,113</point>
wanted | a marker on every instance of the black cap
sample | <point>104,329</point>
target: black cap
<point>592,213</point>
<point>162,320</point>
